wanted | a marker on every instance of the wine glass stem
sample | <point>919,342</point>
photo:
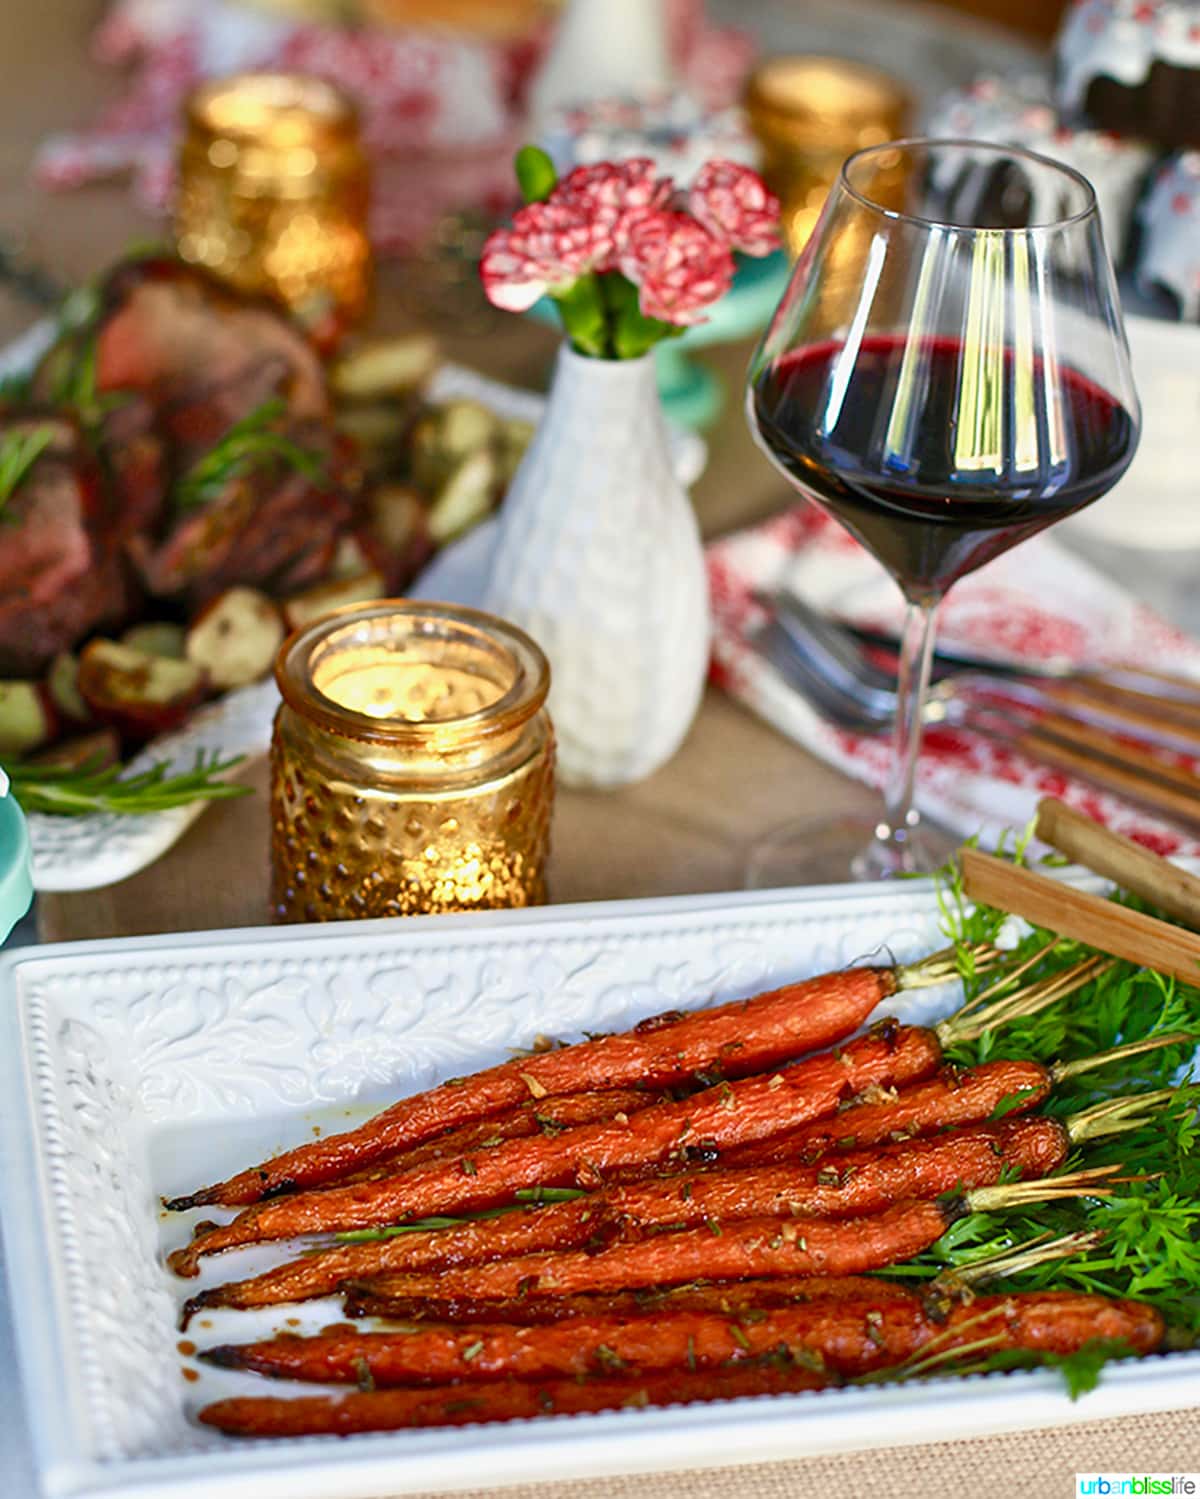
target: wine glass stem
<point>912,687</point>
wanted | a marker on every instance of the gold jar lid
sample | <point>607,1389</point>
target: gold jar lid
<point>278,134</point>
<point>809,102</point>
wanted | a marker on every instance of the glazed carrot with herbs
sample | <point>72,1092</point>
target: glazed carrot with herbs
<point>503,1400</point>
<point>749,1248</point>
<point>703,1125</point>
<point>954,1098</point>
<point>549,1116</point>
<point>847,1337</point>
<point>734,1039</point>
<point>857,1183</point>
<point>374,1298</point>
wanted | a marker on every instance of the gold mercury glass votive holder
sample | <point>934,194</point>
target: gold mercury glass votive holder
<point>273,193</point>
<point>412,765</point>
<point>808,114</point>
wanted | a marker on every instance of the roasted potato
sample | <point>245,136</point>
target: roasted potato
<point>234,639</point>
<point>302,608</point>
<point>140,695</point>
<point>27,717</point>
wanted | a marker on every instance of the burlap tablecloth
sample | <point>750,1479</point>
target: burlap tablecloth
<point>684,830</point>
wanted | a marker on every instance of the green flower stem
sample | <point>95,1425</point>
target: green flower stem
<point>581,307</point>
<point>633,333</point>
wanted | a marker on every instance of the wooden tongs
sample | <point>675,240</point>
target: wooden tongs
<point>1090,918</point>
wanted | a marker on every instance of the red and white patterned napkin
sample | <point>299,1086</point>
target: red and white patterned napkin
<point>442,111</point>
<point>1034,603</point>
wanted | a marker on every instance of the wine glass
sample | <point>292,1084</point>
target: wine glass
<point>946,375</point>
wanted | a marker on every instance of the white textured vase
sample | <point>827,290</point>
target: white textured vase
<point>599,558</point>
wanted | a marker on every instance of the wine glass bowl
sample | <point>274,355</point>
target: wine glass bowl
<point>946,375</point>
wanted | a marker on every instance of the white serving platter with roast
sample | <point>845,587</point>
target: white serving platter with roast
<point>133,1070</point>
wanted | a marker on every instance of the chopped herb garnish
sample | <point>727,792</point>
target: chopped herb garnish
<point>526,1196</point>
<point>548,1194</point>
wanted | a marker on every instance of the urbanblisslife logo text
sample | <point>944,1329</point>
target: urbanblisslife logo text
<point>1111,1485</point>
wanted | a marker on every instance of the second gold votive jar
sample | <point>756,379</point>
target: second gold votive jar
<point>273,194</point>
<point>808,114</point>
<point>412,765</point>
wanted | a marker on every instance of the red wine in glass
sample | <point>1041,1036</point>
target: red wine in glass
<point>946,375</point>
<point>926,520</point>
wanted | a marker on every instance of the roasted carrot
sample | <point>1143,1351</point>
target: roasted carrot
<point>847,1337</point>
<point>549,1116</point>
<point>698,1127</point>
<point>730,1251</point>
<point>734,1039</point>
<point>861,1182</point>
<point>954,1098</point>
<point>504,1400</point>
<point>374,1298</point>
<point>522,1231</point>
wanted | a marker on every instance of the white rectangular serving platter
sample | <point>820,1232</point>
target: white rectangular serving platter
<point>130,1069</point>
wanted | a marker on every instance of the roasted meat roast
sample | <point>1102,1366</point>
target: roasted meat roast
<point>192,449</point>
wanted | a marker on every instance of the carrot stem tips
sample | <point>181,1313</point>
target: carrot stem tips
<point>1063,1070</point>
<point>1115,1116</point>
<point>944,966</point>
<point>1089,1183</point>
<point>969,1022</point>
<point>1039,1250</point>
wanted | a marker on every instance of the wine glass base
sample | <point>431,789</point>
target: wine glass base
<point>842,850</point>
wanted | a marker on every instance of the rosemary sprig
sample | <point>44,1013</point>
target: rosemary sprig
<point>73,792</point>
<point>249,446</point>
<point>20,449</point>
<point>73,382</point>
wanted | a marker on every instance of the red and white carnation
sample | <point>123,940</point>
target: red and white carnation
<point>616,194</point>
<point>733,203</point>
<point>679,268</point>
<point>622,219</point>
<point>548,247</point>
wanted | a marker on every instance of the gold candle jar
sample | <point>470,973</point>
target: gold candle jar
<point>809,114</point>
<point>412,765</point>
<point>273,191</point>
